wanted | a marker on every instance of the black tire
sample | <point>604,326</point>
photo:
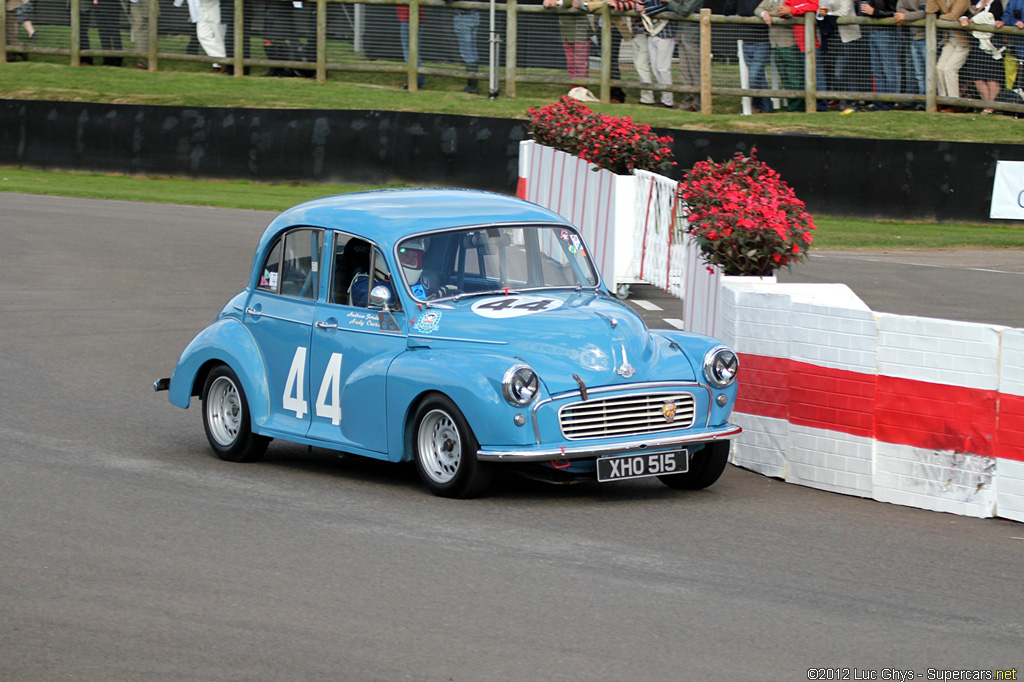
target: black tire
<point>706,466</point>
<point>445,451</point>
<point>226,418</point>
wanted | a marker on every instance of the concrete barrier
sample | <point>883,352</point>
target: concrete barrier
<point>909,410</point>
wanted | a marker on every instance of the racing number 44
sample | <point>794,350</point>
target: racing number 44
<point>328,399</point>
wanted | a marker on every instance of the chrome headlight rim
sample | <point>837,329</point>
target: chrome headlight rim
<point>721,365</point>
<point>520,385</point>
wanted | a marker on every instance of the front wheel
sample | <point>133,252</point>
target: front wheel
<point>226,418</point>
<point>706,466</point>
<point>445,450</point>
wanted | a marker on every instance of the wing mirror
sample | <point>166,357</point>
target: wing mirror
<point>380,297</point>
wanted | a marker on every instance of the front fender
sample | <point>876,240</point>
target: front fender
<point>225,341</point>
<point>471,380</point>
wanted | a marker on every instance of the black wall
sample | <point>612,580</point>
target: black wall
<point>945,181</point>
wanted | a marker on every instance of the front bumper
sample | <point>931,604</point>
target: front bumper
<point>599,450</point>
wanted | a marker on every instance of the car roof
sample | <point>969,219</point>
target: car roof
<point>388,216</point>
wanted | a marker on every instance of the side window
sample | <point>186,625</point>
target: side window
<point>355,260</point>
<point>293,266</point>
<point>270,276</point>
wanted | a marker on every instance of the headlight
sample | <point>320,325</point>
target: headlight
<point>720,366</point>
<point>520,385</point>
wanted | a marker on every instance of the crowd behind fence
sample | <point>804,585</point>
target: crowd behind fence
<point>704,62</point>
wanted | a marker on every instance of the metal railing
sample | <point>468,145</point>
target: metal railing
<point>508,44</point>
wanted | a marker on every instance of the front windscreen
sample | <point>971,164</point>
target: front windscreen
<point>494,259</point>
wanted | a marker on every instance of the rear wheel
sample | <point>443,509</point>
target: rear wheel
<point>706,466</point>
<point>226,418</point>
<point>445,450</point>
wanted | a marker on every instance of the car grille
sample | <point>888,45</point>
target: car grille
<point>626,415</point>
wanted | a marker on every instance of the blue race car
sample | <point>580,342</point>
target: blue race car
<point>463,330</point>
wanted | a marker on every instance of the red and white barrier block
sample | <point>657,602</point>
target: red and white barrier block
<point>914,411</point>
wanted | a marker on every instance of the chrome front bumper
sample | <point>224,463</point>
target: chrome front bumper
<point>619,448</point>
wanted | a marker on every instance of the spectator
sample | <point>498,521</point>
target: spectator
<point>985,60</point>
<point>913,10</point>
<point>24,16</point>
<point>661,45</point>
<point>1013,15</point>
<point>884,42</point>
<point>756,50</point>
<point>466,22</point>
<point>954,49</point>
<point>852,54</point>
<point>403,26</point>
<point>574,30</point>
<point>624,27</point>
<point>788,60</point>
<point>286,25</point>
<point>138,17</point>
<point>105,15</point>
<point>639,51</point>
<point>11,25</point>
<point>688,39</point>
<point>210,32</point>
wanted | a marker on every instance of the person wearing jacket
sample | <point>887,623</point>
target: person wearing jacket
<point>788,60</point>
<point>913,10</point>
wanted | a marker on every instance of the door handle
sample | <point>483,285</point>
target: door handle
<point>255,312</point>
<point>326,325</point>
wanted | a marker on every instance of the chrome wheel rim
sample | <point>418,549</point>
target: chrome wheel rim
<point>224,411</point>
<point>439,446</point>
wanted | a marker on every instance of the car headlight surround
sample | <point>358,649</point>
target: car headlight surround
<point>520,385</point>
<point>721,366</point>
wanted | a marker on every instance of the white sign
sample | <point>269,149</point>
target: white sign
<point>1008,191</point>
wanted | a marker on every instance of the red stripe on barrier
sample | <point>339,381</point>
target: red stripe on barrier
<point>889,409</point>
<point>832,399</point>
<point>763,386</point>
<point>935,416</point>
<point>1010,434</point>
<point>521,188</point>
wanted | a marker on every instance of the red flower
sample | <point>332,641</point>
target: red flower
<point>743,193</point>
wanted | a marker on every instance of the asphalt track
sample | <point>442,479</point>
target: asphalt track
<point>128,552</point>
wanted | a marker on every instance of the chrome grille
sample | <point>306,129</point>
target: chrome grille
<point>626,415</point>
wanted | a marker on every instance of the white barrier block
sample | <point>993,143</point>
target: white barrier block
<point>829,460</point>
<point>939,480</point>
<point>967,354</point>
<point>1011,376</point>
<point>1010,489</point>
<point>762,445</point>
<point>832,327</point>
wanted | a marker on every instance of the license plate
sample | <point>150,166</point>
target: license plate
<point>640,466</point>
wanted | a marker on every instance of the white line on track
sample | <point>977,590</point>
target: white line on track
<point>646,305</point>
<point>678,324</point>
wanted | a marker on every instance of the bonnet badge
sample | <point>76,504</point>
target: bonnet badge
<point>626,370</point>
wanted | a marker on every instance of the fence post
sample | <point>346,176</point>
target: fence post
<point>931,48</point>
<point>321,40</point>
<point>3,32</point>
<point>414,44</point>
<point>606,54</point>
<point>240,38</point>
<point>705,61</point>
<point>811,63</point>
<point>511,30</point>
<point>76,44</point>
<point>153,31</point>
